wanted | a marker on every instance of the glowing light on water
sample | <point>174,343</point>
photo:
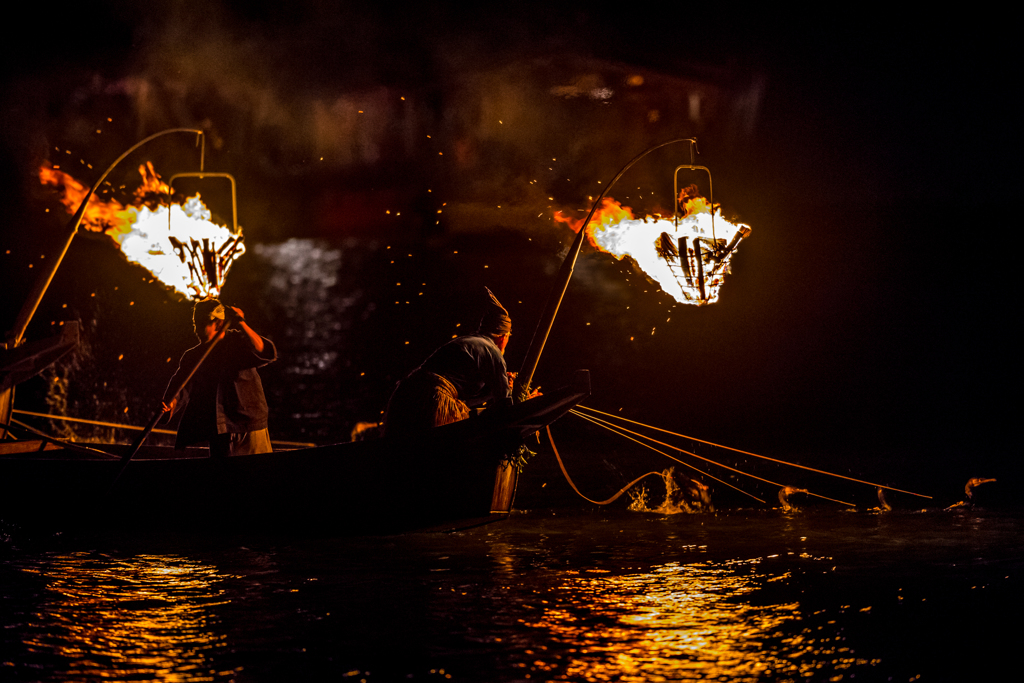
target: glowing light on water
<point>148,617</point>
<point>679,622</point>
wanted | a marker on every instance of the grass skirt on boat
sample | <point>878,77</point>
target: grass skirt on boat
<point>421,401</point>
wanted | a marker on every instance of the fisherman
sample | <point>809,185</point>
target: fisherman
<point>223,403</point>
<point>464,373</point>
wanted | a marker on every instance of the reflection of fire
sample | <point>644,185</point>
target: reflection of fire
<point>179,245</point>
<point>687,257</point>
<point>145,617</point>
<point>697,621</point>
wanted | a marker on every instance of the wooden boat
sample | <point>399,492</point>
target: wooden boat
<point>447,479</point>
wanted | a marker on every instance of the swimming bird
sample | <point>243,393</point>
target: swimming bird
<point>692,496</point>
<point>969,491</point>
<point>785,492</point>
<point>972,483</point>
<point>700,494</point>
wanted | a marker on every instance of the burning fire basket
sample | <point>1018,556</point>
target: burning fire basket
<point>207,261</point>
<point>691,261</point>
<point>203,250</point>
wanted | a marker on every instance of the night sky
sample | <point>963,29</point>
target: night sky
<point>864,328</point>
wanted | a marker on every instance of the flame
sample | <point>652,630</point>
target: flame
<point>693,277</point>
<point>179,244</point>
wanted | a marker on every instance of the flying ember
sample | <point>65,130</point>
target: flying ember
<point>177,242</point>
<point>688,256</point>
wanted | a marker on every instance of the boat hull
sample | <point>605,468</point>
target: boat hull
<point>449,477</point>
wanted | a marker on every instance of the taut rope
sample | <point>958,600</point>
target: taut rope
<point>754,455</point>
<point>607,425</point>
<point>615,430</point>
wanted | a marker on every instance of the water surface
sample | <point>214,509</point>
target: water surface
<point>580,595</point>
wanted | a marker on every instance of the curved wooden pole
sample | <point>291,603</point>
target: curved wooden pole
<point>28,309</point>
<point>547,319</point>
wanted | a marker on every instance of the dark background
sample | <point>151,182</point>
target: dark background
<point>864,328</point>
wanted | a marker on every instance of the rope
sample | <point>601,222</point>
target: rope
<point>661,443</point>
<point>569,479</point>
<point>755,455</point>
<point>615,430</point>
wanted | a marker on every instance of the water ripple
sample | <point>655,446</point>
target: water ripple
<point>146,617</point>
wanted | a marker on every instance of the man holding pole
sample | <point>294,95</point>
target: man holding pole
<point>223,402</point>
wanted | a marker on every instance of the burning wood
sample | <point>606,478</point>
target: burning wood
<point>177,242</point>
<point>659,246</point>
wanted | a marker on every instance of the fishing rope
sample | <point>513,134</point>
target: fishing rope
<point>569,479</point>
<point>661,443</point>
<point>615,430</point>
<point>755,455</point>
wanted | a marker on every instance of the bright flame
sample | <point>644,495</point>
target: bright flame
<point>656,243</point>
<point>179,245</point>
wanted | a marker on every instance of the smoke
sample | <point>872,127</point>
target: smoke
<point>475,109</point>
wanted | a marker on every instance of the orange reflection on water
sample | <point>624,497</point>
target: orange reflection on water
<point>142,618</point>
<point>680,622</point>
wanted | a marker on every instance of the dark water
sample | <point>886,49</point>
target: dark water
<point>581,595</point>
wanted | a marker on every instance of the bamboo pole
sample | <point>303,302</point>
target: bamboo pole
<point>45,277</point>
<point>42,283</point>
<point>136,428</point>
<point>547,318</point>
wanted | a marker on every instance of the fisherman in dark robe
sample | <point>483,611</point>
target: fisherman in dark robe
<point>464,373</point>
<point>223,403</point>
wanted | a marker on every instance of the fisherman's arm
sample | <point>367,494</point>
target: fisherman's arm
<point>255,340</point>
<point>264,349</point>
<point>499,386</point>
<point>534,391</point>
<point>173,398</point>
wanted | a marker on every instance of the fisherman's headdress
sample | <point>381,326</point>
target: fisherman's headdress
<point>204,311</point>
<point>495,319</point>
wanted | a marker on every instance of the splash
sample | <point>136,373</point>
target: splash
<point>688,257</point>
<point>691,497</point>
<point>177,242</point>
<point>639,499</point>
